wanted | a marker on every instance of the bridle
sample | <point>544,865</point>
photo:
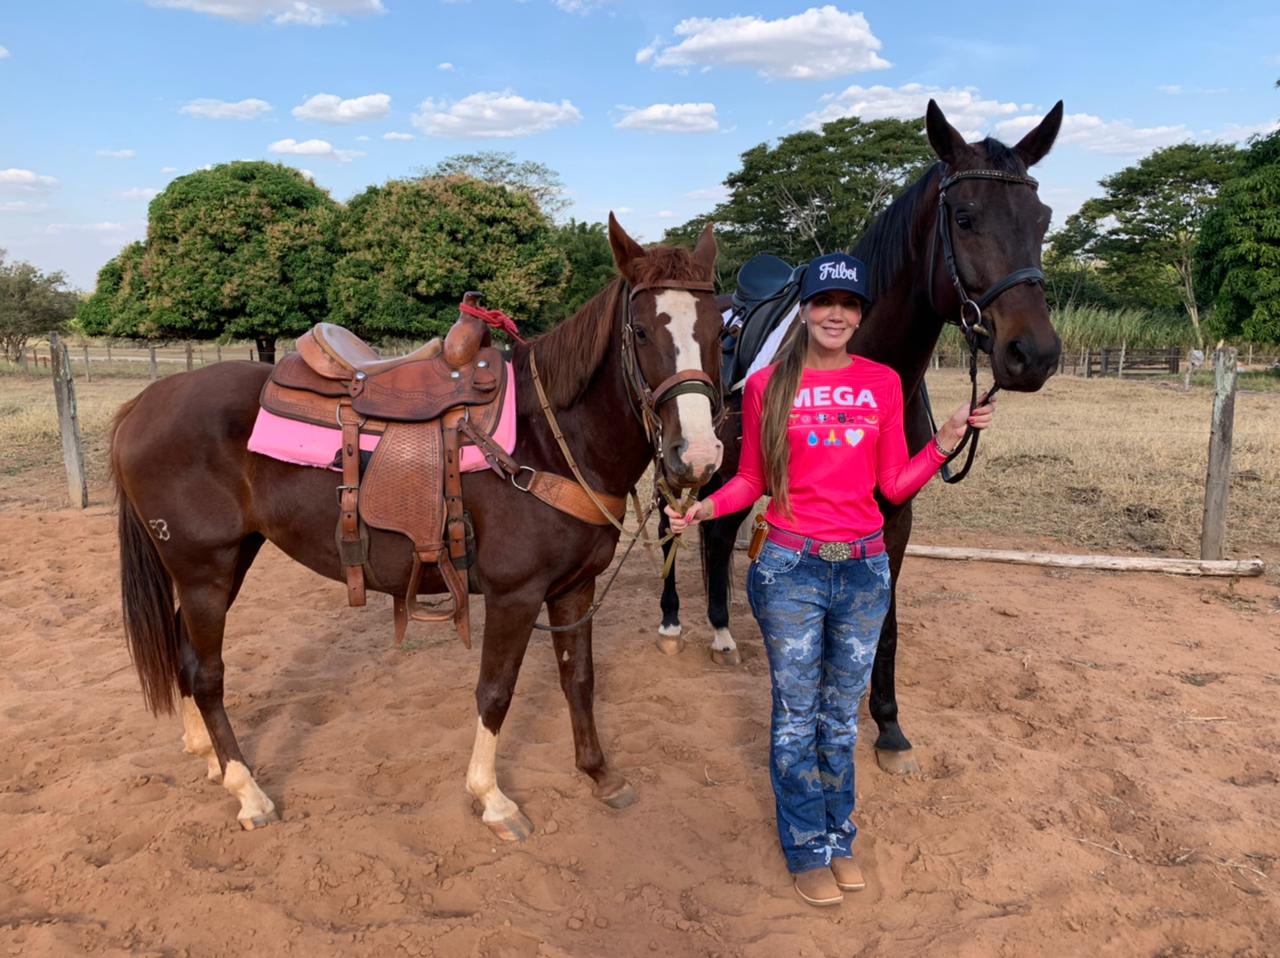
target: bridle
<point>645,400</point>
<point>971,320</point>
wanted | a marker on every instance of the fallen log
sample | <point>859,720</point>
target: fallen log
<point>1219,567</point>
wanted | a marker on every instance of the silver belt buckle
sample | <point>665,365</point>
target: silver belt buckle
<point>835,551</point>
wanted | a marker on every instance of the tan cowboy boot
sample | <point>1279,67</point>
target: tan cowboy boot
<point>847,874</point>
<point>818,887</point>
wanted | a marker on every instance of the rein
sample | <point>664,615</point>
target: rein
<point>971,320</point>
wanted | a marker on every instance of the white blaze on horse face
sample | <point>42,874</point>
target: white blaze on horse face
<point>482,778</point>
<point>702,448</point>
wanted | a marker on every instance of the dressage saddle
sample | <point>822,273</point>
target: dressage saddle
<point>423,406</point>
<point>767,289</point>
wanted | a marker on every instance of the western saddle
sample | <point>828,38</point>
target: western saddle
<point>424,407</point>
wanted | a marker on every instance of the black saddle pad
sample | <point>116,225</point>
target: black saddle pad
<point>767,289</point>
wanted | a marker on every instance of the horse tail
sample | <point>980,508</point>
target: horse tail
<point>146,592</point>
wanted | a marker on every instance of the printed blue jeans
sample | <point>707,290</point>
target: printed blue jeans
<point>821,623</point>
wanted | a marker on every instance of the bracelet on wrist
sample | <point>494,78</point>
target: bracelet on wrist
<point>942,450</point>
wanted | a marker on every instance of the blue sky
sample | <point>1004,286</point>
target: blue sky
<point>641,107</point>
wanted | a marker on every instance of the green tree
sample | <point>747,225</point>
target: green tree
<point>1238,259</point>
<point>586,248</point>
<point>411,248</point>
<point>120,305</point>
<point>541,183</point>
<point>1142,232</point>
<point>813,191</point>
<point>242,250</point>
<point>32,303</point>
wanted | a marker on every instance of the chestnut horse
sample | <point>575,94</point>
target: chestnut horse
<point>994,228</point>
<point>195,507</point>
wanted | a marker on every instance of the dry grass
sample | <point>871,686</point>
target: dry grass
<point>1111,466</point>
<point>1096,465</point>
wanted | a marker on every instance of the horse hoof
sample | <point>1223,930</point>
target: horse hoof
<point>726,657</point>
<point>670,644</point>
<point>620,797</point>
<point>897,763</point>
<point>513,828</point>
<point>259,821</point>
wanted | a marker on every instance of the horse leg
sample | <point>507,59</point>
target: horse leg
<point>507,624</point>
<point>577,681</point>
<point>893,750</point>
<point>203,608</point>
<point>669,641</point>
<point>719,537</point>
<point>195,735</point>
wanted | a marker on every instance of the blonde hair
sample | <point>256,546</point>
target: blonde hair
<point>779,399</point>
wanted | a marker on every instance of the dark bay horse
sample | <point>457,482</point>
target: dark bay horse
<point>195,507</point>
<point>995,225</point>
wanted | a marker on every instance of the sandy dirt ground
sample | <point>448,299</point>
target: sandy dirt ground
<point>1100,760</point>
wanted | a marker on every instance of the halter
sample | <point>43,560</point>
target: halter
<point>971,319</point>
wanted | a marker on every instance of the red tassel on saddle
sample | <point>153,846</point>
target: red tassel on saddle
<point>494,317</point>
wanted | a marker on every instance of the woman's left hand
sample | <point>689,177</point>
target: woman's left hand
<point>953,429</point>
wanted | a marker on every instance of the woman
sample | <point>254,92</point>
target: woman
<point>822,430</point>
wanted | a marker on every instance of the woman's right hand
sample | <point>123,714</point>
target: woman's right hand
<point>696,514</point>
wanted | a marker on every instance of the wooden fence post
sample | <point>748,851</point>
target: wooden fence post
<point>88,373</point>
<point>1120,369</point>
<point>64,391</point>
<point>1088,363</point>
<point>1213,532</point>
<point>219,352</point>
<point>108,350</point>
<point>151,353</point>
<point>189,361</point>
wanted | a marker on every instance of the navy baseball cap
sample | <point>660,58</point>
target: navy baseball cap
<point>835,271</point>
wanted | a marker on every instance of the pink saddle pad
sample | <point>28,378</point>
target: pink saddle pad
<point>304,444</point>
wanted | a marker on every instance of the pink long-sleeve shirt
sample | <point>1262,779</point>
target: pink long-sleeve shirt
<point>846,439</point>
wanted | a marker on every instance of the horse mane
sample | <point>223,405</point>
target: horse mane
<point>889,244</point>
<point>570,354</point>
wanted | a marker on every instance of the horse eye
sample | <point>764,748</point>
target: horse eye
<point>963,220</point>
<point>641,335</point>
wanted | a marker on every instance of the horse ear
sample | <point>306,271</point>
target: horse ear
<point>1033,147</point>
<point>943,137</point>
<point>625,250</point>
<point>704,254</point>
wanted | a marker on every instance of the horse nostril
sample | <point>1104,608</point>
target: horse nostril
<point>1015,357</point>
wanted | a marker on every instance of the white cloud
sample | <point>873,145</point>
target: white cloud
<point>666,214</point>
<point>1109,137</point>
<point>327,108</point>
<point>291,147</point>
<point>168,169</point>
<point>492,116</point>
<point>25,181</point>
<point>117,154</point>
<point>645,54</point>
<point>4,53</point>
<point>147,193</point>
<point>22,207</point>
<point>363,138</point>
<point>444,66</point>
<point>208,109</point>
<point>56,228</point>
<point>966,110</point>
<point>671,118</point>
<point>316,13</point>
<point>820,43</point>
<point>581,7</point>
<point>1240,132</point>
<point>401,137</point>
<point>715,194</point>
<point>1173,89</point>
